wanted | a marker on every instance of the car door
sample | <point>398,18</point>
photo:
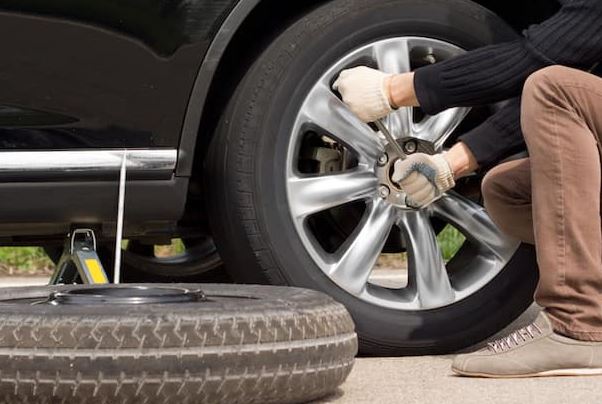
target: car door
<point>81,80</point>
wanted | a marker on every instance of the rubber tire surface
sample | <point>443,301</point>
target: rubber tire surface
<point>252,344</point>
<point>245,171</point>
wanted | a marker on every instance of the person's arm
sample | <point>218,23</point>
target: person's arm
<point>483,76</point>
<point>572,37</point>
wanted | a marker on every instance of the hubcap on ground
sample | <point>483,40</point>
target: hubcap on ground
<point>367,183</point>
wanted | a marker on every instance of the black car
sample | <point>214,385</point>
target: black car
<point>238,146</point>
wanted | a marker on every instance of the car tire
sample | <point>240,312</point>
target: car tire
<point>239,344</point>
<point>249,204</point>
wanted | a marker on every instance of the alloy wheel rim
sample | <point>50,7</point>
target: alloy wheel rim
<point>429,284</point>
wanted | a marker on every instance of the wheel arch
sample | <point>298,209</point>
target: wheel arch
<point>228,56</point>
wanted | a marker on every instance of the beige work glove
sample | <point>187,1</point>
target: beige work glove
<point>363,90</point>
<point>423,178</point>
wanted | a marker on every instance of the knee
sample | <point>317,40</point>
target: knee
<point>544,81</point>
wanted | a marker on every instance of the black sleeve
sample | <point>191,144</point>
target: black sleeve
<point>498,137</point>
<point>572,37</point>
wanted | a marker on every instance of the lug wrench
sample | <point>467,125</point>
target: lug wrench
<point>381,126</point>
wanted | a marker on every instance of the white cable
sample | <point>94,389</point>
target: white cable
<point>120,209</point>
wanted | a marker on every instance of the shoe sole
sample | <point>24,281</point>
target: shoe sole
<point>548,373</point>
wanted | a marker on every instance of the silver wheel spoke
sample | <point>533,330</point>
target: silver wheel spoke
<point>393,56</point>
<point>438,128</point>
<point>357,257</point>
<point>309,195</point>
<point>325,110</point>
<point>472,220</point>
<point>426,269</point>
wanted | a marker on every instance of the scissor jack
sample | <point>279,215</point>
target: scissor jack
<point>80,262</point>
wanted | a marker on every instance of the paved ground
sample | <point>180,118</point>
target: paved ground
<point>428,379</point>
<point>23,281</point>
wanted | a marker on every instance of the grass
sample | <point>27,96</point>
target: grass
<point>176,247</point>
<point>33,260</point>
<point>24,261</point>
<point>450,240</point>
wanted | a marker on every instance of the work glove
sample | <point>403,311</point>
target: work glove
<point>424,178</point>
<point>364,90</point>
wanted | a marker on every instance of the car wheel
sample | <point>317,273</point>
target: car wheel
<point>172,344</point>
<point>302,195</point>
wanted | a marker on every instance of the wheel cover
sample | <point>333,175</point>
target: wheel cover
<point>429,284</point>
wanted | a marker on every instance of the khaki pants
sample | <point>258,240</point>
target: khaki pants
<point>552,199</point>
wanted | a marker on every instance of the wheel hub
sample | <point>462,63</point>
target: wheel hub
<point>388,190</point>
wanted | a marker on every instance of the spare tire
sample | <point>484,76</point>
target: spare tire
<point>95,344</point>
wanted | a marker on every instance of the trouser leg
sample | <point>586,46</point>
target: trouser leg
<point>507,195</point>
<point>562,124</point>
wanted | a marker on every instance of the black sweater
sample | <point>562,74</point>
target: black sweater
<point>572,37</point>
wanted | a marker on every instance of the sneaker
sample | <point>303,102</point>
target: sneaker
<point>532,351</point>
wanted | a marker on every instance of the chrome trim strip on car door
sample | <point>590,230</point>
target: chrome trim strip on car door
<point>86,164</point>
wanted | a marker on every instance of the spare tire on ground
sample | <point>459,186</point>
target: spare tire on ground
<point>171,344</point>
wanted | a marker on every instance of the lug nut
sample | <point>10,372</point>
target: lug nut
<point>383,159</point>
<point>410,147</point>
<point>430,58</point>
<point>384,191</point>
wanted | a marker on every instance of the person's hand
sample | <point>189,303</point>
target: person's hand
<point>365,91</point>
<point>423,178</point>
